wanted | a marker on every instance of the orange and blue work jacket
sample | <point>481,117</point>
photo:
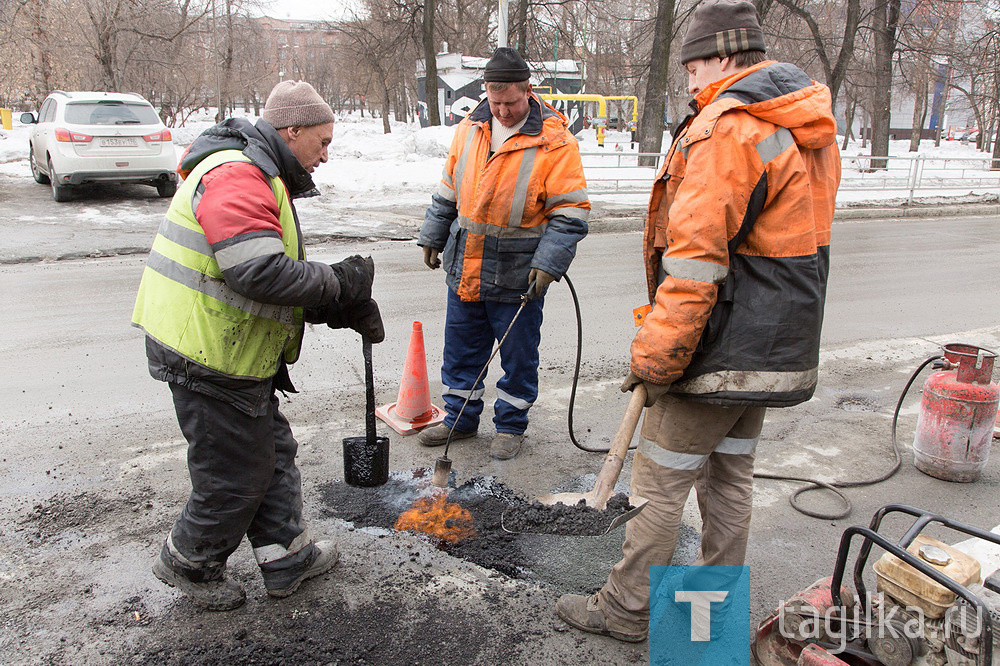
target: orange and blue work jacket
<point>737,242</point>
<point>497,216</point>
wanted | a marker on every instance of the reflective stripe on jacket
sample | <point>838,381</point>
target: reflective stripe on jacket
<point>185,304</point>
<point>496,217</point>
<point>737,243</point>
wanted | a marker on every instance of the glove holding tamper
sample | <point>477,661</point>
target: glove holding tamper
<point>355,308</point>
<point>355,275</point>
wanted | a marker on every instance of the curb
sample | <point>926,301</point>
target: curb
<point>916,212</point>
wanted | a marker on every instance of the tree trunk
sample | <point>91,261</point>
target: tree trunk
<point>839,72</point>
<point>430,66</point>
<point>919,112</point>
<point>521,28</point>
<point>385,108</point>
<point>40,37</point>
<point>651,122</point>
<point>886,19</point>
<point>849,111</point>
<point>995,165</point>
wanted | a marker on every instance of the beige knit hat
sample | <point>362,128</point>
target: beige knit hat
<point>296,104</point>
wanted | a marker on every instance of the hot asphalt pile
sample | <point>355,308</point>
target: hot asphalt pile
<point>578,519</point>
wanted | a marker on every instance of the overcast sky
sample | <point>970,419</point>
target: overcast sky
<point>306,9</point>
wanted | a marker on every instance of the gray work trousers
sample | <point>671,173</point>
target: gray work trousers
<point>244,482</point>
<point>684,444</point>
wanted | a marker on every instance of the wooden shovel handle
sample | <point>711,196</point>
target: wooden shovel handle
<point>612,467</point>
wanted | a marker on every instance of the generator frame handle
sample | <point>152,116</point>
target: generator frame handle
<point>870,535</point>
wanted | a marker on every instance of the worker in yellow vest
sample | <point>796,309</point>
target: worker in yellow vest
<point>223,299</point>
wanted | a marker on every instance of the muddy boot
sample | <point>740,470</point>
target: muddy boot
<point>207,587</point>
<point>438,435</point>
<point>583,613</point>
<point>506,445</point>
<point>281,581</point>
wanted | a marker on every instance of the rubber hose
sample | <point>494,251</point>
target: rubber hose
<point>576,373</point>
<point>834,486</point>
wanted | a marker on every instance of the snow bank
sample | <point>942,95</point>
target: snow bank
<point>14,144</point>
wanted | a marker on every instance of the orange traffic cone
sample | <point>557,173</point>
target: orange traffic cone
<point>412,410</point>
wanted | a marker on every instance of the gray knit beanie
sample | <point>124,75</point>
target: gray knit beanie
<point>720,28</point>
<point>506,66</point>
<point>296,104</point>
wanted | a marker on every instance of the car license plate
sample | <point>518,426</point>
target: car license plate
<point>118,141</point>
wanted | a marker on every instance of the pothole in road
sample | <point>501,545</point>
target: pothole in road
<point>857,402</point>
<point>568,563</point>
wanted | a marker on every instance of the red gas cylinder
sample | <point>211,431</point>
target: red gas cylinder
<point>957,415</point>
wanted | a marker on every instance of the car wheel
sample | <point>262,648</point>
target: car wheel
<point>35,171</point>
<point>166,188</point>
<point>60,193</point>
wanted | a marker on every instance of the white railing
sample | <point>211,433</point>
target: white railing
<point>620,172</point>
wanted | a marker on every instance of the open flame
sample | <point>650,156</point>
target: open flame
<point>438,517</point>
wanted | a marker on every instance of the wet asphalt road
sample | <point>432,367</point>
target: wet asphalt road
<point>79,413</point>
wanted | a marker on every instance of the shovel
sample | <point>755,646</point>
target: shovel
<point>597,498</point>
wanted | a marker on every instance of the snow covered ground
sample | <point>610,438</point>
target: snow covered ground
<point>368,167</point>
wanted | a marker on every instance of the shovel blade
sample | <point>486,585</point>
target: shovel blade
<point>638,504</point>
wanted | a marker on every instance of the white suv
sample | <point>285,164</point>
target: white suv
<point>85,137</point>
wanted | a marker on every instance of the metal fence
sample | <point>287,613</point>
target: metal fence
<point>614,171</point>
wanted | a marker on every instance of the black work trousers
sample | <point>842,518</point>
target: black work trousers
<point>243,482</point>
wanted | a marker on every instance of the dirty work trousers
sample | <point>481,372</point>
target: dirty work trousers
<point>684,444</point>
<point>243,482</point>
<point>470,330</point>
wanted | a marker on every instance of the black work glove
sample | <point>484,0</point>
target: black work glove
<point>653,391</point>
<point>365,319</point>
<point>355,275</point>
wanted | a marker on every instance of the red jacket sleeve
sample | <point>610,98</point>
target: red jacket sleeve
<point>237,199</point>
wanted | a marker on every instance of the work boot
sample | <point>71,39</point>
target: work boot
<point>506,445</point>
<point>283,582</point>
<point>584,614</point>
<point>438,435</point>
<point>221,593</point>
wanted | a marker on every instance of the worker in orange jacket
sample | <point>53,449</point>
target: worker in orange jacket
<point>511,207</point>
<point>736,249</point>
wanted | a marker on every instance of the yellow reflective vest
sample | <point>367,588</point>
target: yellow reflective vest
<point>185,304</point>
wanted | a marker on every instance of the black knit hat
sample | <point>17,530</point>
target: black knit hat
<point>720,28</point>
<point>506,65</point>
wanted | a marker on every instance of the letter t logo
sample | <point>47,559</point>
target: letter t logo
<point>701,610</point>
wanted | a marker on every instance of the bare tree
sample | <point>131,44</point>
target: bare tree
<point>834,67</point>
<point>377,44</point>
